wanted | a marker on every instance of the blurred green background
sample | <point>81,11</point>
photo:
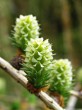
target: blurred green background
<point>61,23</point>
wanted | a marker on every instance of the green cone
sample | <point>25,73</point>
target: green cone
<point>26,28</point>
<point>38,62</point>
<point>62,76</point>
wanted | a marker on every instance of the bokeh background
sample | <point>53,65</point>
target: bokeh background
<point>61,23</point>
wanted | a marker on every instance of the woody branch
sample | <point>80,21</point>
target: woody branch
<point>20,78</point>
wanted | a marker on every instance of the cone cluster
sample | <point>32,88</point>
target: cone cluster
<point>41,69</point>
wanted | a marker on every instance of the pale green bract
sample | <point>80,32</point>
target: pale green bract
<point>38,62</point>
<point>26,28</point>
<point>62,76</point>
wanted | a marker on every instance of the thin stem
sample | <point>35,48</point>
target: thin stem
<point>76,94</point>
<point>73,98</point>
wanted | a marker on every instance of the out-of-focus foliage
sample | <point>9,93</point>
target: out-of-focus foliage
<point>79,76</point>
<point>61,22</point>
<point>2,86</point>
